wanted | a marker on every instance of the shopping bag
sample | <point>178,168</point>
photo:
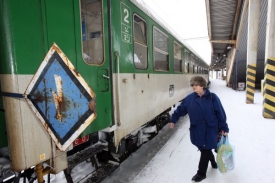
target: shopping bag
<point>225,155</point>
<point>220,142</point>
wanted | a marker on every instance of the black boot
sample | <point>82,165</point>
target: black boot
<point>198,178</point>
<point>214,165</point>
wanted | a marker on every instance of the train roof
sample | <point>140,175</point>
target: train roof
<point>152,14</point>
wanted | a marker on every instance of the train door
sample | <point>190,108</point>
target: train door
<point>96,54</point>
<point>80,29</point>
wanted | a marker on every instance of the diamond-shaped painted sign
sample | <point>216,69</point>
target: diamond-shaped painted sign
<point>61,99</point>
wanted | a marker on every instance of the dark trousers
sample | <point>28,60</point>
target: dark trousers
<point>206,156</point>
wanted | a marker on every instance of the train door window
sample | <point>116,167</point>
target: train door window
<point>161,53</point>
<point>91,28</point>
<point>177,58</point>
<point>197,65</point>
<point>186,58</point>
<point>140,45</point>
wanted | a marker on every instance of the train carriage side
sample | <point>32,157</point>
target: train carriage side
<point>150,74</point>
<point>80,29</point>
<point>134,65</point>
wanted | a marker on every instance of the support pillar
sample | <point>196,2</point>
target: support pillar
<point>212,74</point>
<point>254,8</point>
<point>269,78</point>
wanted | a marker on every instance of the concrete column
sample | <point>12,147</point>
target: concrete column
<point>269,85</point>
<point>270,30</point>
<point>254,8</point>
<point>229,65</point>
<point>212,74</point>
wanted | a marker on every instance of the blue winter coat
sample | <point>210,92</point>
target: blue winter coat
<point>207,118</point>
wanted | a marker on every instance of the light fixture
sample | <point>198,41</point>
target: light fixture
<point>229,47</point>
<point>224,55</point>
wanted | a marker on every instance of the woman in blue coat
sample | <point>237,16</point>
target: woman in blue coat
<point>207,119</point>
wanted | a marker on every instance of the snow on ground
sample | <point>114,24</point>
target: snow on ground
<point>250,133</point>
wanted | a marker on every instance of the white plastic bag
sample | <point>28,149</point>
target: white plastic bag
<point>225,155</point>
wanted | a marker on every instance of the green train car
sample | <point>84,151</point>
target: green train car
<point>116,56</point>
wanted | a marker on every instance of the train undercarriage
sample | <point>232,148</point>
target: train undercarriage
<point>99,150</point>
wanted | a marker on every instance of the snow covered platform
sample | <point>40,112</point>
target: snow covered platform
<point>177,160</point>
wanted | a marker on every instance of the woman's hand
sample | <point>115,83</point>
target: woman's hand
<point>224,133</point>
<point>171,125</point>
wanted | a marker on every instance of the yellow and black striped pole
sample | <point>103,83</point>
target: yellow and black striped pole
<point>269,89</point>
<point>253,19</point>
<point>250,83</point>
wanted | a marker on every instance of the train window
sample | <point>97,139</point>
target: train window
<point>192,63</point>
<point>140,46</point>
<point>161,51</point>
<point>196,69</point>
<point>92,37</point>
<point>186,70</point>
<point>177,58</point>
<point>186,58</point>
<point>192,59</point>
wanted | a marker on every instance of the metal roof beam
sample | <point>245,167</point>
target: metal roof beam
<point>224,41</point>
<point>238,10</point>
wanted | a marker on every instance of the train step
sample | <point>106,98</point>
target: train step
<point>83,155</point>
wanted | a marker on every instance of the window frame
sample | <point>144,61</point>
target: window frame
<point>161,51</point>
<point>187,61</point>
<point>87,34</point>
<point>138,43</point>
<point>175,57</point>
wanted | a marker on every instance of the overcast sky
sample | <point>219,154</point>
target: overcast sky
<point>188,19</point>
